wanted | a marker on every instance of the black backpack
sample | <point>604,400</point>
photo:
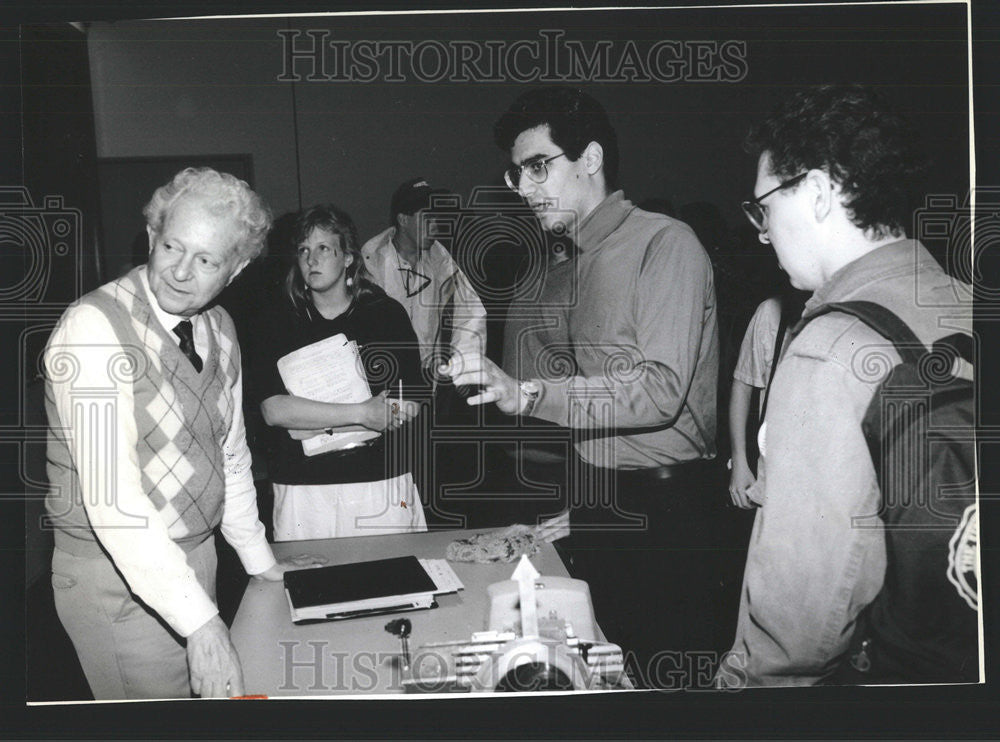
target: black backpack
<point>923,626</point>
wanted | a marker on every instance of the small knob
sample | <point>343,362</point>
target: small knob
<point>400,627</point>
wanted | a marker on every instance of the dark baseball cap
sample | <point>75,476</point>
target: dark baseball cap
<point>414,195</point>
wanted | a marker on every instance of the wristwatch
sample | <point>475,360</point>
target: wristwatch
<point>530,390</point>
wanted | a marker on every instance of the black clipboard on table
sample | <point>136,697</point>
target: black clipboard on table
<point>359,589</point>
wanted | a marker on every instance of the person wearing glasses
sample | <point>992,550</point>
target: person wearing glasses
<point>836,167</point>
<point>641,397</point>
<point>417,271</point>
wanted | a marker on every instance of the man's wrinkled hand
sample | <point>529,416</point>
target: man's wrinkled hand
<point>213,664</point>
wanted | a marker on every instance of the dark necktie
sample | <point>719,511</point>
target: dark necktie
<point>185,331</point>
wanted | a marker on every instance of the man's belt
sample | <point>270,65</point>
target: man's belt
<point>697,468</point>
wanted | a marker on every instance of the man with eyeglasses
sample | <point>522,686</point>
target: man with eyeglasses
<point>418,272</point>
<point>835,171</point>
<point>642,400</point>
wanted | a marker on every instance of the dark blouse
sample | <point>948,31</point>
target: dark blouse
<point>389,352</point>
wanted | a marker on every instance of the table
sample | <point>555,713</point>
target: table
<point>358,656</point>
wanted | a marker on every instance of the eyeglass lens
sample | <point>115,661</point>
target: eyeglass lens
<point>755,213</point>
<point>537,172</point>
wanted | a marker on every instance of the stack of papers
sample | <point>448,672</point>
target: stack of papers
<point>329,370</point>
<point>367,588</point>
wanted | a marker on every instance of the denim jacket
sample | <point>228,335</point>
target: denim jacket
<point>817,551</point>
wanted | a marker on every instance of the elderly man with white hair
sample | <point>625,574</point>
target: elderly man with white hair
<point>147,452</point>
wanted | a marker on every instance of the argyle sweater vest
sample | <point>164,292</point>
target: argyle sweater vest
<point>182,418</point>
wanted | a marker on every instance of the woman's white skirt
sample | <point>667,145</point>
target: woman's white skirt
<point>314,511</point>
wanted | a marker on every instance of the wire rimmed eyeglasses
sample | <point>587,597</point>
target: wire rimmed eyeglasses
<point>537,171</point>
<point>756,212</point>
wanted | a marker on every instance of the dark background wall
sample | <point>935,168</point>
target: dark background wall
<point>212,87</point>
<point>47,244</point>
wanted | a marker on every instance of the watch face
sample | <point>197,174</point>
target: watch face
<point>531,388</point>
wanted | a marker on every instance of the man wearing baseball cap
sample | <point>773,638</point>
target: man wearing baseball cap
<point>418,272</point>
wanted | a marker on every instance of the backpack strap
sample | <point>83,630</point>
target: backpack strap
<point>958,344</point>
<point>883,321</point>
<point>779,339</point>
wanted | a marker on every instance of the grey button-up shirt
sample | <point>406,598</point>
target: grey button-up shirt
<point>643,333</point>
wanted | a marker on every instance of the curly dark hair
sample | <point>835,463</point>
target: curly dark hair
<point>850,132</point>
<point>575,119</point>
<point>336,221</point>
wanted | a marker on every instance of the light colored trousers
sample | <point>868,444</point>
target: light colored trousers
<point>126,650</point>
<point>317,511</point>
